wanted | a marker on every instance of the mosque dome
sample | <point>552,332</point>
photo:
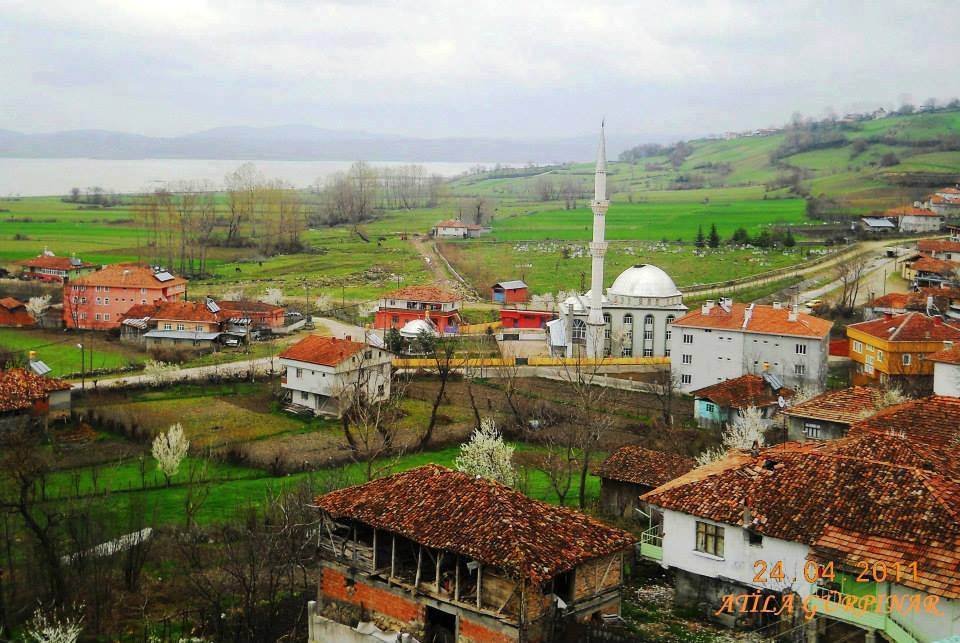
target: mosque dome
<point>644,280</point>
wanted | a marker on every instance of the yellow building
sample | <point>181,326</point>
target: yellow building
<point>894,348</point>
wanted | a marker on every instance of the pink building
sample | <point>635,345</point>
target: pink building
<point>99,300</point>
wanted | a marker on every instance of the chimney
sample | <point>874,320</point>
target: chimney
<point>707,307</point>
<point>777,305</point>
<point>747,316</point>
<point>794,312</point>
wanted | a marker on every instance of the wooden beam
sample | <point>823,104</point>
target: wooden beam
<point>512,592</point>
<point>456,581</point>
<point>605,573</point>
<point>393,556</point>
<point>479,581</point>
<point>374,556</point>
<point>436,579</point>
<point>416,580</point>
<point>354,544</point>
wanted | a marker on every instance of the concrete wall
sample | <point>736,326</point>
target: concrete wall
<point>827,430</point>
<point>329,381</point>
<point>946,379</point>
<point>928,627</point>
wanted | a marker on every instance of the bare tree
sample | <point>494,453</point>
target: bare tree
<point>849,273</point>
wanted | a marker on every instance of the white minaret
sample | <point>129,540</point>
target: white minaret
<point>598,248</point>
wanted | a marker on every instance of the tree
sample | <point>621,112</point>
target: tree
<point>36,306</point>
<point>53,628</point>
<point>741,236</point>
<point>714,239</point>
<point>788,240</point>
<point>889,159</point>
<point>486,455</point>
<point>442,353</point>
<point>700,241</point>
<point>849,274</point>
<point>743,433</point>
<point>169,450</point>
<point>393,341</point>
<point>274,297</point>
<point>545,189</point>
<point>159,373</point>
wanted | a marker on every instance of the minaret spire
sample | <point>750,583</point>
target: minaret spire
<point>598,248</point>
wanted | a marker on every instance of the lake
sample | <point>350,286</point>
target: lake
<point>52,177</point>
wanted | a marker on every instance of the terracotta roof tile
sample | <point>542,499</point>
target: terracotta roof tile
<point>763,319</point>
<point>908,210</point>
<point>54,263</point>
<point>10,303</point>
<point>741,392</point>
<point>909,327</point>
<point>637,465</point>
<point>929,264</point>
<point>20,388</point>
<point>938,245</point>
<point>422,293</point>
<point>326,351</point>
<point>127,275</point>
<point>474,517</point>
<point>248,306</point>
<point>932,421</point>
<point>195,311</point>
<point>947,356</point>
<point>844,406</point>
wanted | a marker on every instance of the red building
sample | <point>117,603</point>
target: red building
<point>531,319</point>
<point>261,315</point>
<point>49,267</point>
<point>99,300</point>
<point>13,314</point>
<point>399,307</point>
<point>509,292</point>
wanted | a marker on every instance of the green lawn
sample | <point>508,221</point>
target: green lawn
<point>59,350</point>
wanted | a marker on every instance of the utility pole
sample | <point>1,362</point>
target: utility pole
<point>83,378</point>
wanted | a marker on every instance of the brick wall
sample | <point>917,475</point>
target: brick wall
<point>471,632</point>
<point>590,579</point>
<point>333,585</point>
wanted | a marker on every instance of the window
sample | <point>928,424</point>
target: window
<point>858,347</point>
<point>801,349</point>
<point>368,354</point>
<point>628,320</point>
<point>710,539</point>
<point>626,351</point>
<point>106,316</point>
<point>687,338</point>
<point>666,351</point>
<point>168,326</point>
<point>687,359</point>
<point>579,332</point>
<point>648,321</point>
<point>606,327</point>
<point>648,352</point>
<point>395,319</point>
<point>181,326</point>
<point>304,395</point>
<point>106,301</point>
<point>199,328</point>
<point>709,408</point>
<point>299,372</point>
<point>879,356</point>
<point>686,378</point>
<point>754,539</point>
<point>670,319</point>
<point>380,389</point>
<point>99,301</point>
<point>799,369</point>
<point>97,317</point>
<point>812,431</point>
<point>83,300</point>
<point>906,359</point>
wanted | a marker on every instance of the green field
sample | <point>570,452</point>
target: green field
<point>60,353</point>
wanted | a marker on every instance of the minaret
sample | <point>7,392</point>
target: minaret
<point>598,248</point>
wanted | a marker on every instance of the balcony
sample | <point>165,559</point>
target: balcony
<point>651,543</point>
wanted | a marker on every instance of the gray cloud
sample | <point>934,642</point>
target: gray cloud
<point>436,68</point>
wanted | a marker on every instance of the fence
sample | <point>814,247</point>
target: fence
<point>502,362</point>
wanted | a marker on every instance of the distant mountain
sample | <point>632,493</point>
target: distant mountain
<point>297,142</point>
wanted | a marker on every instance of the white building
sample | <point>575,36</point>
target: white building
<point>915,219</point>
<point>724,340</point>
<point>452,229</point>
<point>633,318</point>
<point>946,371</point>
<point>326,374</point>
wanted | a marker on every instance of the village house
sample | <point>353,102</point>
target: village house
<point>190,325</point>
<point>829,415</point>
<point>877,225</point>
<point>98,301</point>
<point>509,292</point>
<point>882,494</point>
<point>631,471</point>
<point>27,398</point>
<point>926,272</point>
<point>914,219</point>
<point>724,340</point>
<point>945,201</point>
<point>718,404</point>
<point>892,351</point>
<point>440,307</point>
<point>260,314</point>
<point>13,314</point>
<point>445,556</point>
<point>326,374</point>
<point>49,267</point>
<point>946,371</point>
<point>945,249</point>
<point>930,301</point>
<point>452,229</point>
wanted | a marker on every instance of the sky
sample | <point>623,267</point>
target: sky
<point>438,68</point>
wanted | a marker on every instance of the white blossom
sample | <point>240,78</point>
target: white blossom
<point>169,450</point>
<point>274,297</point>
<point>52,628</point>
<point>36,306</point>
<point>487,455</point>
<point>741,434</point>
<point>159,373</point>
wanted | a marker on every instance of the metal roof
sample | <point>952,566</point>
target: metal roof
<point>39,367</point>
<point>181,334</point>
<point>878,222</point>
<point>510,285</point>
<point>163,276</point>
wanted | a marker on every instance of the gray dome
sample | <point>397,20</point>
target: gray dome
<point>644,280</point>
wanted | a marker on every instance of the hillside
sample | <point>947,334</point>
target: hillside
<point>864,165</point>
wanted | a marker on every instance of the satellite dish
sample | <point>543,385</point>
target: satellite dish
<point>781,402</point>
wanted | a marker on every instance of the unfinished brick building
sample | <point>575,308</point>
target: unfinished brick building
<point>443,556</point>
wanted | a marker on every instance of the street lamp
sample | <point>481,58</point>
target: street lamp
<point>83,378</point>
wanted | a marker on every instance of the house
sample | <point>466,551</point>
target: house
<point>723,340</point>
<point>49,267</point>
<point>945,201</point>
<point>26,397</point>
<point>98,301</point>
<point>944,249</point>
<point>829,415</point>
<point>13,314</point>
<point>721,403</point>
<point>260,314</point>
<point>946,371</point>
<point>931,301</point>
<point>877,225</point>
<point>327,375</point>
<point>525,319</point>
<point>893,350</point>
<point>452,229</point>
<point>447,556</point>
<point>631,471</point>
<point>439,306</point>
<point>796,523</point>
<point>509,292</point>
<point>191,325</point>
<point>914,219</point>
<point>926,271</point>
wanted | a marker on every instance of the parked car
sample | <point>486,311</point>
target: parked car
<point>814,303</point>
<point>231,341</point>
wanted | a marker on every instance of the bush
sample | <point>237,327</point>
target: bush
<point>171,355</point>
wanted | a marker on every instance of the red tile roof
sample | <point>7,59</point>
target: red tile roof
<point>763,319</point>
<point>909,327</point>
<point>911,211</point>
<point>844,406</point>
<point>139,311</point>
<point>10,303</point>
<point>947,356</point>
<point>939,266</point>
<point>932,421</point>
<point>249,306</point>
<point>195,311</point>
<point>474,517</point>
<point>796,491</point>
<point>893,300</point>
<point>949,191</point>
<point>741,392</point>
<point>938,245</point>
<point>126,275</point>
<point>20,388</point>
<point>430,294</point>
<point>452,223</point>
<point>637,465</point>
<point>326,351</point>
<point>54,263</point>
<point>13,313</point>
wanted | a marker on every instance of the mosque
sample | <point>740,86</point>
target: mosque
<point>633,318</point>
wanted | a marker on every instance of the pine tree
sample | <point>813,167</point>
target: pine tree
<point>714,239</point>
<point>700,242</point>
<point>789,241</point>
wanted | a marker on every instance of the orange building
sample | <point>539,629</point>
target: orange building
<point>399,307</point>
<point>894,348</point>
<point>99,300</point>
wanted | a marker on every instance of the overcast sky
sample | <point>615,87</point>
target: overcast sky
<point>446,68</point>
